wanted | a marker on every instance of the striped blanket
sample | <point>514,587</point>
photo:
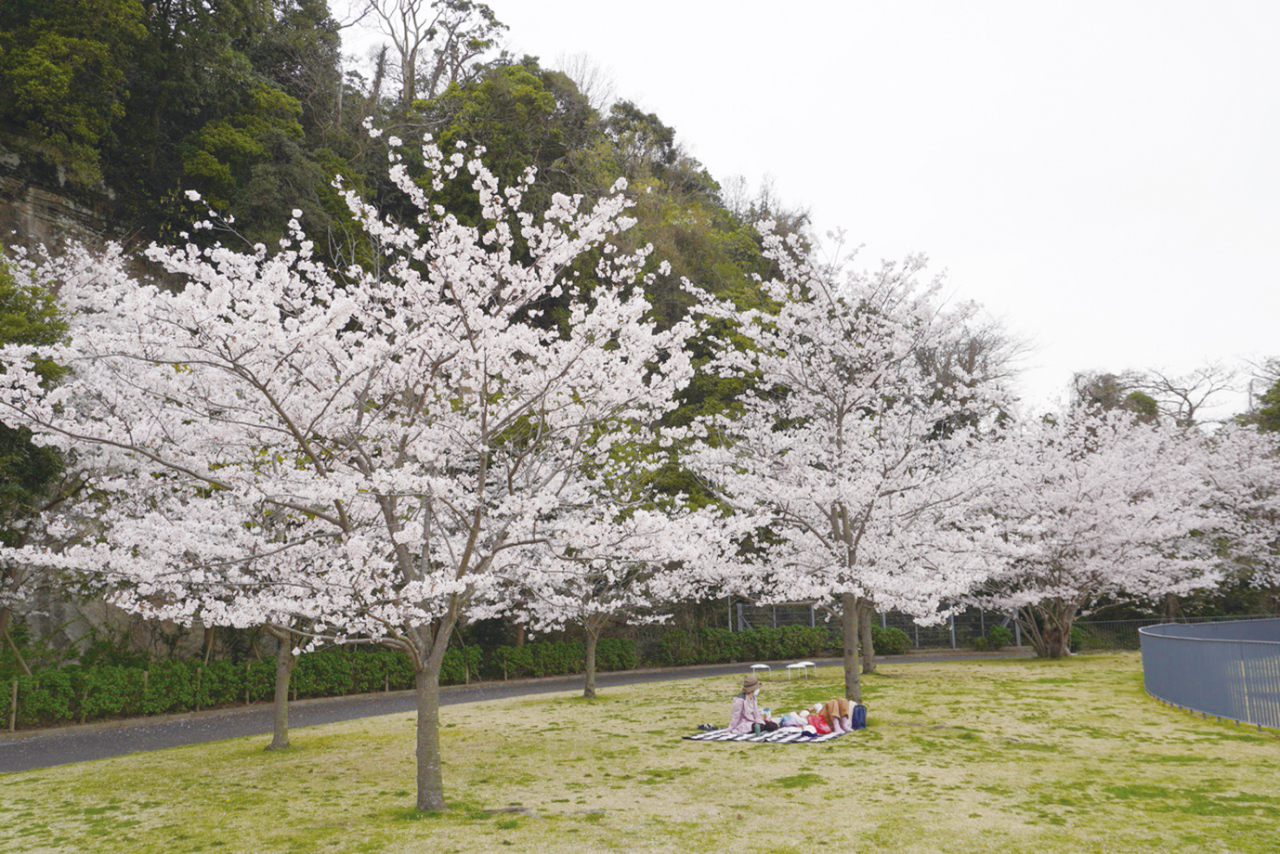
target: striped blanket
<point>788,735</point>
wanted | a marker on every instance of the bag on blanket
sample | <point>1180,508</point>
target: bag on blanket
<point>859,716</point>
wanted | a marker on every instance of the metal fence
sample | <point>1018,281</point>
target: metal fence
<point>958,632</point>
<point>962,630</point>
<point>1230,670</point>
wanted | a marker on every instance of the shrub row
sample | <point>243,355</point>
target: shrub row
<point>890,640</point>
<point>558,658</point>
<point>70,694</point>
<point>996,638</point>
<point>66,695</point>
<point>716,646</point>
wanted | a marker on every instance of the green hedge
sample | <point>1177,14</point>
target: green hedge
<point>545,658</point>
<point>74,694</point>
<point>70,694</point>
<point>889,640</point>
<point>716,646</point>
<point>560,658</point>
<point>996,638</point>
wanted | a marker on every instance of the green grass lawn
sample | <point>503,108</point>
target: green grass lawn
<point>1017,755</point>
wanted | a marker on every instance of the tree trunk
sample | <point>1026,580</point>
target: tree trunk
<point>210,635</point>
<point>1057,642</point>
<point>865,615</point>
<point>589,690</point>
<point>4,631</point>
<point>1048,628</point>
<point>520,631</point>
<point>849,624</point>
<point>430,781</point>
<point>285,661</point>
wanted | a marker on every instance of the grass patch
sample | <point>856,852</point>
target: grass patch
<point>798,781</point>
<point>1059,756</point>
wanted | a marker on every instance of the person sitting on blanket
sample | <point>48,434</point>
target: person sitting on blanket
<point>746,715</point>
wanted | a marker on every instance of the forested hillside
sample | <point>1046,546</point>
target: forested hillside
<point>247,103</point>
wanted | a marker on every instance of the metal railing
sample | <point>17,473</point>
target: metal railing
<point>1229,670</point>
<point>959,632</point>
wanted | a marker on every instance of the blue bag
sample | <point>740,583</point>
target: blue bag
<point>859,716</point>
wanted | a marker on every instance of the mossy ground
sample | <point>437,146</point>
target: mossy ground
<point>1020,755</point>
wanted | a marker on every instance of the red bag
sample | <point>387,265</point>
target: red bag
<point>819,723</point>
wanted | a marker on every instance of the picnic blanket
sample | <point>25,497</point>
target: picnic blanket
<point>787,735</point>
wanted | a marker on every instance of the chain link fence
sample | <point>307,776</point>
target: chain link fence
<point>959,632</point>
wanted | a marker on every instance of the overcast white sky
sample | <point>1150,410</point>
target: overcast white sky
<point>1103,176</point>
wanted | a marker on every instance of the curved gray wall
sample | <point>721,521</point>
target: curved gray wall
<point>1231,670</point>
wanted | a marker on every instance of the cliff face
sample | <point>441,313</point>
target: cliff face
<point>34,211</point>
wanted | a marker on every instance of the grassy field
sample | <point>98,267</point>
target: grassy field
<point>980,756</point>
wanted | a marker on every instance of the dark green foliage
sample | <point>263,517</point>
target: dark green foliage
<point>452,669</point>
<point>546,658</point>
<point>720,645</point>
<point>236,99</point>
<point>63,78</point>
<point>559,658</point>
<point>678,647</point>
<point>28,315</point>
<point>321,674</point>
<point>616,654</point>
<point>1143,405</point>
<point>171,687</point>
<point>260,680</point>
<point>783,642</point>
<point>108,691</point>
<point>1108,392</point>
<point>1266,412</point>
<point>523,115</point>
<point>890,640</point>
<point>55,696</point>
<point>45,697</point>
<point>112,650</point>
<point>379,669</point>
<point>996,638</point>
<point>219,683</point>
<point>715,646</point>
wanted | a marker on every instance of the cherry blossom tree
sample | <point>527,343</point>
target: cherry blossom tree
<point>1097,504</point>
<point>612,570</point>
<point>1245,468</point>
<point>590,584</point>
<point>213,561</point>
<point>850,467</point>
<point>377,444</point>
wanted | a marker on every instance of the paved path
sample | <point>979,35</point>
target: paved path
<point>42,748</point>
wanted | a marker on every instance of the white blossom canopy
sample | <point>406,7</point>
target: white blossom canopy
<point>851,467</point>
<point>365,448</point>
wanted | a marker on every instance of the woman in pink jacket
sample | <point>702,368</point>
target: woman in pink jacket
<point>746,715</point>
